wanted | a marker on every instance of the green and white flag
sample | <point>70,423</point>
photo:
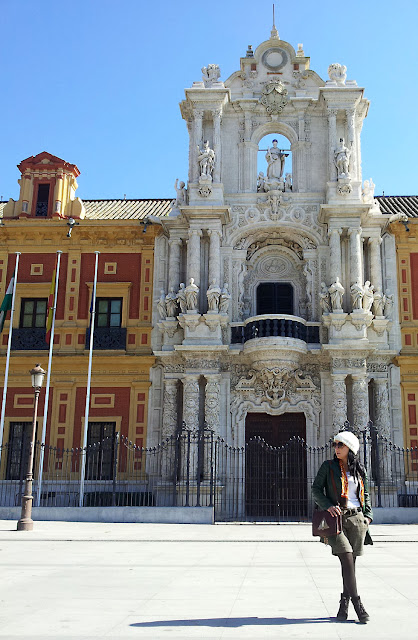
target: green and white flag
<point>6,305</point>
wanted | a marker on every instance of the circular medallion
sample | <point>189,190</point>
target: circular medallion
<point>274,59</point>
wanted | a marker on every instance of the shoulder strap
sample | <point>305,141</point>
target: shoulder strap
<point>333,481</point>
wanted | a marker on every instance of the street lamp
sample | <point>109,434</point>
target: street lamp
<point>26,523</point>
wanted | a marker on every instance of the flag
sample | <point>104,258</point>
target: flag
<point>51,299</point>
<point>6,305</point>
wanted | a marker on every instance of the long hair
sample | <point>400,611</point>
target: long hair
<point>355,468</point>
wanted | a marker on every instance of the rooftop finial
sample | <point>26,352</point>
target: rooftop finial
<point>274,32</point>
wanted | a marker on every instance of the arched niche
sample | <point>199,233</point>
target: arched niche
<point>273,129</point>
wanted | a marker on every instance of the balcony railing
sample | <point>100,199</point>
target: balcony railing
<point>107,338</point>
<point>29,339</point>
<point>275,326</point>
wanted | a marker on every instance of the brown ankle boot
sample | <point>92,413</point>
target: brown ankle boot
<point>362,614</point>
<point>343,610</point>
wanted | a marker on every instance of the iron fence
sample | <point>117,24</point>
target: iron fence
<point>256,482</point>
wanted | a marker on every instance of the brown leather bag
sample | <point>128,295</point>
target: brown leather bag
<point>324,524</point>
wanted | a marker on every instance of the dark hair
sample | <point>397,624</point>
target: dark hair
<point>355,468</point>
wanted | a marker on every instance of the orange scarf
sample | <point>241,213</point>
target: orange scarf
<point>344,486</point>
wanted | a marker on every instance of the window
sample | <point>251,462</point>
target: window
<point>274,297</point>
<point>101,443</point>
<point>108,312</point>
<point>42,201</point>
<point>33,313</point>
<point>17,449</point>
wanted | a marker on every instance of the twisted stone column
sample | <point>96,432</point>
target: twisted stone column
<point>339,401</point>
<point>360,397</point>
<point>174,263</point>
<point>193,256</point>
<point>356,274</point>
<point>335,254</point>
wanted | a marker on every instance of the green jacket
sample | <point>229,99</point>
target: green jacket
<point>323,491</point>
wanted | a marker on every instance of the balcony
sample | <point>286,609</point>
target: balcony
<point>29,339</point>
<point>275,326</point>
<point>107,338</point>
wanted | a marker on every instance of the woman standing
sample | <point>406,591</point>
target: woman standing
<point>341,487</point>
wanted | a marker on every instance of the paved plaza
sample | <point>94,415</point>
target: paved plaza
<point>81,580</point>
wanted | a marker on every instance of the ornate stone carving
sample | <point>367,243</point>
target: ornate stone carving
<point>181,298</point>
<point>342,159</point>
<point>169,408</point>
<point>360,397</point>
<point>224,300</point>
<point>278,383</point>
<point>325,299</point>
<point>344,189</point>
<point>274,96</point>
<point>171,303</point>
<point>206,161</point>
<point>337,73</point>
<point>212,402</point>
<point>339,401</point>
<point>382,406</point>
<point>336,292</point>
<point>191,401</point>
<point>210,75</point>
<point>213,294</point>
<point>191,293</point>
<point>204,190</point>
<point>348,363</point>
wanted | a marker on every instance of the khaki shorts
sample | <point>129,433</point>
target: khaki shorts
<point>351,538</point>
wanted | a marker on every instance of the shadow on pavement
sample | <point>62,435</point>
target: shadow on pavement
<point>233,622</point>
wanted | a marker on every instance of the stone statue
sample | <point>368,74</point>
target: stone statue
<point>324,299</point>
<point>275,160</point>
<point>357,293</point>
<point>261,182</point>
<point>161,306</point>
<point>368,296</point>
<point>378,303</point>
<point>211,74</point>
<point>206,160</point>
<point>191,292</point>
<point>288,182</point>
<point>368,190</point>
<point>213,295</point>
<point>388,305</point>
<point>181,191</point>
<point>336,292</point>
<point>181,298</point>
<point>337,73</point>
<point>171,303</point>
<point>224,299</point>
<point>342,159</point>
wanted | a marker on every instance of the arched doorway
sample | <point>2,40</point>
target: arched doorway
<point>275,467</point>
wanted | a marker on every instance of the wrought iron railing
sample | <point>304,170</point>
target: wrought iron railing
<point>254,482</point>
<point>27,339</point>
<point>107,338</point>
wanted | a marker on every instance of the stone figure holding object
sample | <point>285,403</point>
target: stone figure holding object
<point>206,160</point>
<point>181,298</point>
<point>224,299</point>
<point>191,291</point>
<point>342,159</point>
<point>357,293</point>
<point>378,303</point>
<point>336,292</point>
<point>368,296</point>
<point>324,299</point>
<point>161,306</point>
<point>275,161</point>
<point>181,193</point>
<point>171,303</point>
<point>213,294</point>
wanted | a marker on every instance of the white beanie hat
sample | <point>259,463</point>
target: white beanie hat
<point>348,438</point>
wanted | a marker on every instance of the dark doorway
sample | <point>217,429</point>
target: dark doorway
<point>275,487</point>
<point>274,297</point>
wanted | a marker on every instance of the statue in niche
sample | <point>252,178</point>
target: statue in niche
<point>337,73</point>
<point>342,159</point>
<point>261,182</point>
<point>171,303</point>
<point>191,291</point>
<point>213,294</point>
<point>357,293</point>
<point>388,305</point>
<point>206,160</point>
<point>336,292</point>
<point>378,303</point>
<point>324,299</point>
<point>224,299</point>
<point>181,298</point>
<point>181,191</point>
<point>275,161</point>
<point>368,296</point>
<point>161,306</point>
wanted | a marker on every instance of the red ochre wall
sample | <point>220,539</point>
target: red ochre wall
<point>119,409</point>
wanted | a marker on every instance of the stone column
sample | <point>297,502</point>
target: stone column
<point>197,137</point>
<point>191,420</point>
<point>339,401</point>
<point>350,113</point>
<point>332,142</point>
<point>169,428</point>
<point>360,397</point>
<point>356,273</point>
<point>174,263</point>
<point>335,254</point>
<point>381,406</point>
<point>191,150</point>
<point>212,419</point>
<point>193,256</point>
<point>375,263</point>
<point>214,256</point>
<point>216,113</point>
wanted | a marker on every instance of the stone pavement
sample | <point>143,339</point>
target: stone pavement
<point>93,580</point>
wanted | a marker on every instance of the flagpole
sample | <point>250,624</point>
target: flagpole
<point>9,346</point>
<point>86,412</point>
<point>48,380</point>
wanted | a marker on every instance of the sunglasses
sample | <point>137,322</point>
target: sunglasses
<point>339,445</point>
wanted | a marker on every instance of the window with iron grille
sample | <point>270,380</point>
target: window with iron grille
<point>100,442</point>
<point>33,313</point>
<point>20,434</point>
<point>108,312</point>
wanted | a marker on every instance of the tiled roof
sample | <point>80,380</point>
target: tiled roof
<point>399,204</point>
<point>126,209</point>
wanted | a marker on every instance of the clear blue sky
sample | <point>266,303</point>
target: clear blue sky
<point>98,82</point>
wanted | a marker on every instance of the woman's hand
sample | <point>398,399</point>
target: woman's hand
<point>334,511</point>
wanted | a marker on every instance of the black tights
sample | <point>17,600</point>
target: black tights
<point>348,570</point>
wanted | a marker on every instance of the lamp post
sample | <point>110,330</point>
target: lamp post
<point>26,523</point>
